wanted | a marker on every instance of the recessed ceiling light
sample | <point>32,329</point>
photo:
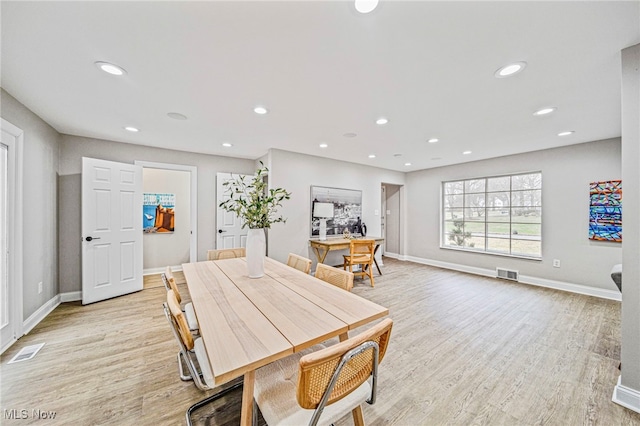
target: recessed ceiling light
<point>323,145</point>
<point>227,145</point>
<point>132,129</point>
<point>372,156</point>
<point>433,140</point>
<point>567,133</point>
<point>466,152</point>
<point>407,164</point>
<point>177,116</point>
<point>366,6</point>
<point>545,111</point>
<point>350,135</point>
<point>110,68</point>
<point>382,121</point>
<point>509,70</point>
<point>260,110</point>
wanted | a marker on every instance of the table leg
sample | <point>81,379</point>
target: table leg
<point>374,258</point>
<point>344,336</point>
<point>246,412</point>
<point>320,255</point>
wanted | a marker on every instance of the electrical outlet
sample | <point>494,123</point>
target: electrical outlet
<point>556,263</point>
<point>40,287</point>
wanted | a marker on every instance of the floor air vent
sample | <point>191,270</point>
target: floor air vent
<point>26,353</point>
<point>507,274</point>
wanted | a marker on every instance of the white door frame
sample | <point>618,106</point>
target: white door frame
<point>193,170</point>
<point>15,228</point>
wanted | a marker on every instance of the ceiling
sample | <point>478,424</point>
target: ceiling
<point>323,70</point>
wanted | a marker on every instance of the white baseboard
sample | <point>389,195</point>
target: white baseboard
<point>540,282</point>
<point>627,397</point>
<point>155,271</point>
<point>40,314</point>
<point>391,255</point>
<point>7,345</point>
<point>71,296</point>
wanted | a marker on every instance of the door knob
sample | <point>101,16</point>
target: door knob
<point>92,238</point>
<point>220,231</point>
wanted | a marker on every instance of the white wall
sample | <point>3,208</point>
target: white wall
<point>630,353</point>
<point>566,174</point>
<point>73,148</point>
<point>297,173</point>
<point>40,214</point>
<point>168,249</point>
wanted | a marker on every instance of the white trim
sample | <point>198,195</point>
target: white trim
<point>627,397</point>
<point>391,255</point>
<point>15,218</point>
<point>155,271</point>
<point>41,313</point>
<point>540,282</point>
<point>71,296</point>
<point>193,241</point>
<point>7,345</point>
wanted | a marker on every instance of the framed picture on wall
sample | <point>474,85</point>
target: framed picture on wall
<point>605,211</point>
<point>340,208</point>
<point>158,213</point>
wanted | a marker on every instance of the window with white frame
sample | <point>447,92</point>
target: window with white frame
<point>497,215</point>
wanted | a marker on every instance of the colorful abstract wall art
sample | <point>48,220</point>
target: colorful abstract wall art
<point>158,213</point>
<point>605,211</point>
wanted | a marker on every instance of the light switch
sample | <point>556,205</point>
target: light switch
<point>388,212</point>
<point>376,212</point>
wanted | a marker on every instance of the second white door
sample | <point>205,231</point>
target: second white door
<point>229,229</point>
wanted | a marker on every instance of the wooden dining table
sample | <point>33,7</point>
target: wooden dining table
<point>246,323</point>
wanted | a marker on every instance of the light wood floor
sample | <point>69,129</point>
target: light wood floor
<point>464,350</point>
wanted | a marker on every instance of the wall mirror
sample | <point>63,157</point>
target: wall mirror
<point>340,208</point>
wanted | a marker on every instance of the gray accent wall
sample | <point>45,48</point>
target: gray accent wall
<point>40,216</point>
<point>566,174</point>
<point>73,148</point>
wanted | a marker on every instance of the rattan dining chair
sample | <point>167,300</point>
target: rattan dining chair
<point>337,277</point>
<point>226,253</point>
<point>330,382</point>
<point>300,263</point>
<point>170,284</point>
<point>361,253</point>
<point>194,354</point>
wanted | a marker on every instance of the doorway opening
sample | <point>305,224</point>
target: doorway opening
<point>391,219</point>
<point>180,245</point>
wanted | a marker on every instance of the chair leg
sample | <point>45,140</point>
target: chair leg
<point>210,399</point>
<point>184,377</point>
<point>358,418</point>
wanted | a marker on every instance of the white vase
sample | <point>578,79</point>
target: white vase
<point>256,251</point>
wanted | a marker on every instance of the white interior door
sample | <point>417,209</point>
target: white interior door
<point>6,326</point>
<point>230,232</point>
<point>10,235</point>
<point>111,229</point>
